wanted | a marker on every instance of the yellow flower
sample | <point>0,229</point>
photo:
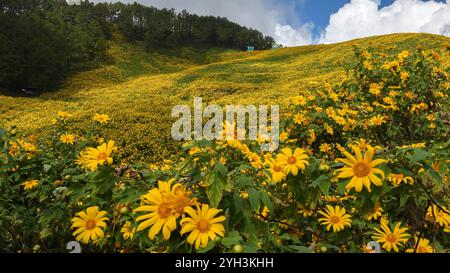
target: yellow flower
<point>89,225</point>
<point>312,136</point>
<point>264,214</point>
<point>447,85</point>
<point>410,95</point>
<point>102,118</point>
<point>361,144</point>
<point>67,138</point>
<point>397,179</point>
<point>377,120</point>
<point>223,160</point>
<point>202,225</point>
<point>244,194</point>
<point>368,65</point>
<point>414,146</point>
<point>255,160</point>
<point>160,215</point>
<point>389,100</point>
<point>91,158</point>
<point>325,148</point>
<point>366,54</point>
<point>415,108</point>
<point>435,214</point>
<point>284,136</point>
<point>404,76</point>
<point>328,128</point>
<point>335,217</point>
<point>277,171</point>
<point>403,55</point>
<point>299,119</point>
<point>361,169</point>
<point>447,228</point>
<point>127,230</point>
<point>340,120</point>
<point>375,88</point>
<point>330,199</point>
<point>431,117</point>
<point>31,184</point>
<point>179,199</point>
<point>300,100</point>
<point>304,212</point>
<point>422,247</point>
<point>292,162</point>
<point>63,115</point>
<point>334,97</point>
<point>391,239</point>
<point>376,213</point>
<point>194,150</point>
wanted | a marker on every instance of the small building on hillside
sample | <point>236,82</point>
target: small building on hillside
<point>250,48</point>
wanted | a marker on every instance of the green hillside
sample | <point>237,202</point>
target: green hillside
<point>138,89</point>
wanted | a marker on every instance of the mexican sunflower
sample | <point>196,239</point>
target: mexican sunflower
<point>335,218</point>
<point>89,225</point>
<point>293,161</point>
<point>361,169</point>
<point>91,158</point>
<point>391,239</point>
<point>159,215</point>
<point>202,225</point>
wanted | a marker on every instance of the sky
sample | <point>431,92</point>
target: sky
<point>304,22</point>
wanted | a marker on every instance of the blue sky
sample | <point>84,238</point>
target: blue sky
<point>319,11</point>
<point>302,22</point>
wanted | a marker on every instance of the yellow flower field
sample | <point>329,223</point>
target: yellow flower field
<point>363,159</point>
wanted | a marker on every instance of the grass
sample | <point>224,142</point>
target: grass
<point>138,88</point>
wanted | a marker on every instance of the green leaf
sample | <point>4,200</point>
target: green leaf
<point>250,248</point>
<point>266,200</point>
<point>238,203</point>
<point>323,182</point>
<point>419,155</point>
<point>403,199</point>
<point>254,197</point>
<point>70,171</point>
<point>300,249</point>
<point>341,186</point>
<point>103,180</point>
<point>42,197</point>
<point>244,181</point>
<point>217,184</point>
<point>232,238</point>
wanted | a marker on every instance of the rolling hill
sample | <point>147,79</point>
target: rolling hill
<point>138,89</point>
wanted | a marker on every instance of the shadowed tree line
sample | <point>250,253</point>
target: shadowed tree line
<point>44,41</point>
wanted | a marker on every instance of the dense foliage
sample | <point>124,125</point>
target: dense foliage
<point>366,159</point>
<point>44,41</point>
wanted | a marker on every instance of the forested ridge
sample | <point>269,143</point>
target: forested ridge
<point>44,41</point>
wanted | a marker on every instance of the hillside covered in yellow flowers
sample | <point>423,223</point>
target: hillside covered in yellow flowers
<point>363,162</point>
<point>138,89</point>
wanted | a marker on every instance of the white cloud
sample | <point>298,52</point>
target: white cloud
<point>288,36</point>
<point>268,16</point>
<point>362,18</point>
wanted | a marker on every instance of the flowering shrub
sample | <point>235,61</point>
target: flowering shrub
<point>362,160</point>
